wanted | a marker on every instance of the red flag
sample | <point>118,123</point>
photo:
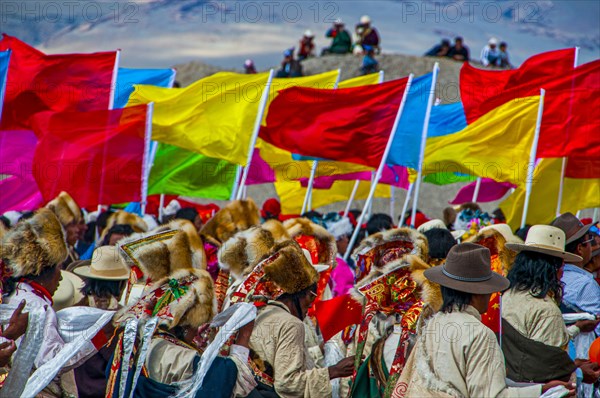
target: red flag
<point>571,120</point>
<point>478,86</point>
<point>583,168</point>
<point>95,156</point>
<point>350,124</point>
<point>336,314</point>
<point>66,82</point>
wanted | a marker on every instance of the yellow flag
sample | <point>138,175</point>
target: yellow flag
<point>496,146</point>
<point>365,80</point>
<point>291,194</point>
<point>578,194</point>
<point>214,116</point>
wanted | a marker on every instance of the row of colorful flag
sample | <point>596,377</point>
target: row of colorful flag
<point>62,129</point>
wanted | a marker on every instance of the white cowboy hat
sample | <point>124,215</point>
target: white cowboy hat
<point>365,19</point>
<point>106,265</point>
<point>505,231</point>
<point>545,239</point>
<point>64,296</point>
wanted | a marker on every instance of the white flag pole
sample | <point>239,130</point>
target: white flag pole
<point>146,161</point>
<point>476,191</point>
<point>379,169</point>
<point>436,69</point>
<point>261,110</point>
<point>532,156</point>
<point>411,187</point>
<point>352,195</point>
<point>307,204</point>
<point>596,216</point>
<point>113,83</point>
<point>238,174</point>
<point>563,168</point>
<point>161,208</point>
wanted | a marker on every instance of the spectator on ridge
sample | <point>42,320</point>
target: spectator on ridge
<point>459,52</point>
<point>490,55</point>
<point>439,50</point>
<point>307,46</point>
<point>290,67</point>
<point>366,35</point>
<point>249,67</point>
<point>341,43</point>
<point>370,64</point>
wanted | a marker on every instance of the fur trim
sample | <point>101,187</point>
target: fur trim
<point>3,230</point>
<point>303,226</point>
<point>195,242</point>
<point>496,242</point>
<point>421,247</point>
<point>158,258</point>
<point>276,228</point>
<point>198,305</point>
<point>34,244</point>
<point>122,217</point>
<point>237,216</point>
<point>66,209</point>
<point>245,250</point>
<point>289,269</point>
<point>431,293</point>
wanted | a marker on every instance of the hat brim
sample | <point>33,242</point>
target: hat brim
<point>86,272</point>
<point>497,283</point>
<point>520,247</point>
<point>584,230</point>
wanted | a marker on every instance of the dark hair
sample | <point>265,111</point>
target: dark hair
<point>454,298</point>
<point>121,229</point>
<point>26,215</point>
<point>102,288</point>
<point>187,213</point>
<point>295,297</point>
<point>103,218</point>
<point>503,44</point>
<point>5,221</point>
<point>440,242</point>
<point>379,222</point>
<point>458,38</point>
<point>90,234</point>
<point>522,232</point>
<point>537,273</point>
<point>312,214</point>
<point>572,247</point>
<point>11,283</point>
<point>499,214</point>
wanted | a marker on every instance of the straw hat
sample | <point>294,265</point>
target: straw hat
<point>505,231</point>
<point>468,269</point>
<point>545,239</point>
<point>64,296</point>
<point>571,226</point>
<point>106,265</point>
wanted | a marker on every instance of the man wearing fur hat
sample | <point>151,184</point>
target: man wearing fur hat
<point>69,214</point>
<point>281,362</point>
<point>33,251</point>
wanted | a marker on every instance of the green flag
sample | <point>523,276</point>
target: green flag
<point>445,178</point>
<point>177,171</point>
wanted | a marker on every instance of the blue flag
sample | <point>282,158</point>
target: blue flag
<point>127,78</point>
<point>4,59</point>
<point>444,119</point>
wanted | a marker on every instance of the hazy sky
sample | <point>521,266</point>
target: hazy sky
<point>161,33</point>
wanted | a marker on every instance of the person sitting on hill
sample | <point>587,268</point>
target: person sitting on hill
<point>439,50</point>
<point>367,35</point>
<point>370,64</point>
<point>290,67</point>
<point>307,46</point>
<point>249,67</point>
<point>459,52</point>
<point>490,55</point>
<point>342,43</point>
<point>503,60</point>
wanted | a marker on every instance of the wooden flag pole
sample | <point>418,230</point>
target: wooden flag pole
<point>379,169</point>
<point>436,70</point>
<point>261,111</point>
<point>532,156</point>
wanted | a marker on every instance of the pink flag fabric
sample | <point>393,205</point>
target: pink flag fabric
<point>396,176</point>
<point>260,171</point>
<point>489,191</point>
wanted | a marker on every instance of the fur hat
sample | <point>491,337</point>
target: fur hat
<point>184,298</point>
<point>495,241</point>
<point>237,216</point>
<point>314,238</point>
<point>34,244</point>
<point>382,248</point>
<point>289,269</point>
<point>245,250</point>
<point>342,227</point>
<point>196,245</point>
<point>123,217</point>
<point>66,209</point>
<point>160,254</point>
<point>276,228</point>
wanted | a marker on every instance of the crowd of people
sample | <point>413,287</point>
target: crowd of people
<point>246,302</point>
<point>492,54</point>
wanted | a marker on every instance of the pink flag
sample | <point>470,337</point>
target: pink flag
<point>392,175</point>
<point>260,171</point>
<point>19,191</point>
<point>489,191</point>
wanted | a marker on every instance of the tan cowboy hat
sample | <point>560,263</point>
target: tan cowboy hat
<point>572,227</point>
<point>106,265</point>
<point>77,282</point>
<point>468,269</point>
<point>545,239</point>
<point>505,231</point>
<point>64,296</point>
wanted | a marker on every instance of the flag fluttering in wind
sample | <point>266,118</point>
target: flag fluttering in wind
<point>489,191</point>
<point>64,82</point>
<point>4,62</point>
<point>127,78</point>
<point>396,176</point>
<point>350,124</point>
<point>483,90</point>
<point>98,157</point>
